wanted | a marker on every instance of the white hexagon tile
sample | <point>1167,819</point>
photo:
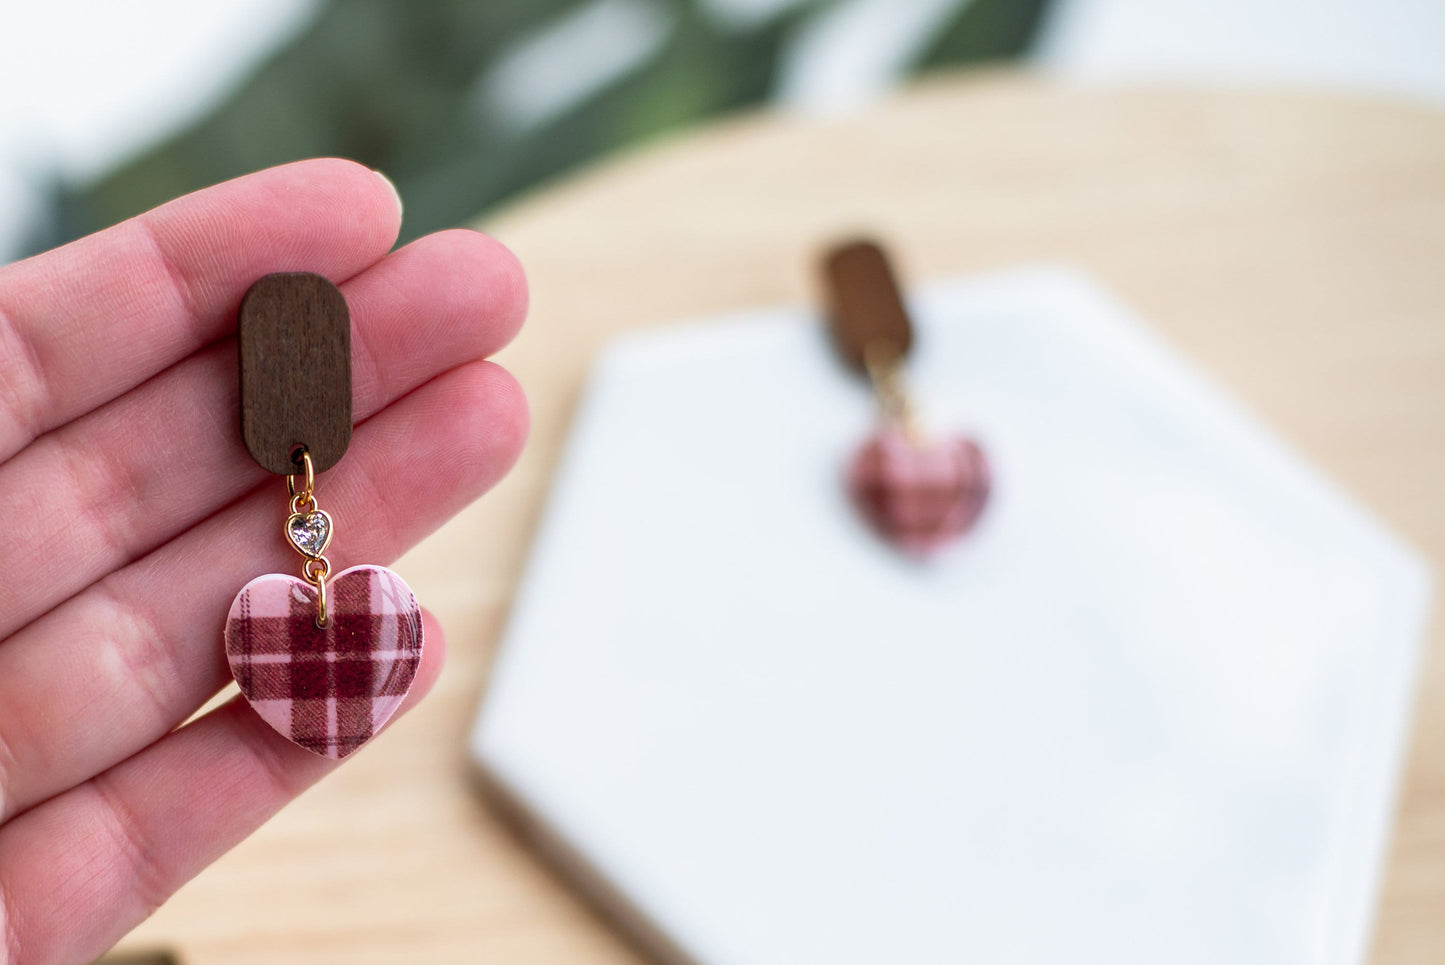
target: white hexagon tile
<point>1151,710</point>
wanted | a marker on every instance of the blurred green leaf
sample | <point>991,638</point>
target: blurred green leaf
<point>393,85</point>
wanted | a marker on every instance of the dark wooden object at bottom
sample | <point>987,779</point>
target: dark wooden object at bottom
<point>295,351</point>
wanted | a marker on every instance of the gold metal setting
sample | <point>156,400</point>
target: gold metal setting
<point>885,369</point>
<point>315,517</point>
<point>308,470</point>
<point>317,567</point>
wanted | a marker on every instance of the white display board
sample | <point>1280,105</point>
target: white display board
<point>1151,710</point>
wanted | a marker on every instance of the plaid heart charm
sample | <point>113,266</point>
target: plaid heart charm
<point>919,495</point>
<point>328,690</point>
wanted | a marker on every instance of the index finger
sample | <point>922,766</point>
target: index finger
<point>84,323</point>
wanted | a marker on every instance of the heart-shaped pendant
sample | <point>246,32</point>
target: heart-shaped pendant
<point>309,532</point>
<point>328,690</point>
<point>919,495</point>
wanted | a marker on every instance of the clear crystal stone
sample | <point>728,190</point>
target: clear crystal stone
<point>309,533</point>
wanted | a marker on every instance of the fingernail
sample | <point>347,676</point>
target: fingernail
<point>394,192</point>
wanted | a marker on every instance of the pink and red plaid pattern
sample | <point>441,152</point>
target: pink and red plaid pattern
<point>327,690</point>
<point>918,496</point>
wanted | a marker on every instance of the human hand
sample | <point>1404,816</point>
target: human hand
<point>131,514</point>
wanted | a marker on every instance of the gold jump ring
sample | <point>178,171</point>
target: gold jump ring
<point>308,471</point>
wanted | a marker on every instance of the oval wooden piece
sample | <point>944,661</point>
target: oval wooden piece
<point>864,302</point>
<point>295,350</point>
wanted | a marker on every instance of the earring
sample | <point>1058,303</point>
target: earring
<point>325,659</point>
<point>916,490</point>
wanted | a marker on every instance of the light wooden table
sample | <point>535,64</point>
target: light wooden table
<point>1292,244</point>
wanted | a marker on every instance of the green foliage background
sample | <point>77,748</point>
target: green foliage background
<point>392,85</point>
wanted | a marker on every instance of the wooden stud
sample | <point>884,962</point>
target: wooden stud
<point>295,352</point>
<point>864,303</point>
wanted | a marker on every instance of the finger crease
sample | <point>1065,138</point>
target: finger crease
<point>372,490</point>
<point>262,751</point>
<point>180,284</point>
<point>138,644</point>
<point>372,362</point>
<point>24,405</point>
<point>9,935</point>
<point>7,767</point>
<point>108,492</point>
<point>151,886</point>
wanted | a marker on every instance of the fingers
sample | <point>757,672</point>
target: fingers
<point>83,323</point>
<point>118,482</point>
<point>101,857</point>
<point>127,660</point>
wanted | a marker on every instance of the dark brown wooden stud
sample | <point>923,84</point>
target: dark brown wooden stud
<point>295,348</point>
<point>865,304</point>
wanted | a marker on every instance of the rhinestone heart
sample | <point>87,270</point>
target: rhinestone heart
<point>328,690</point>
<point>309,532</point>
<point>919,495</point>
